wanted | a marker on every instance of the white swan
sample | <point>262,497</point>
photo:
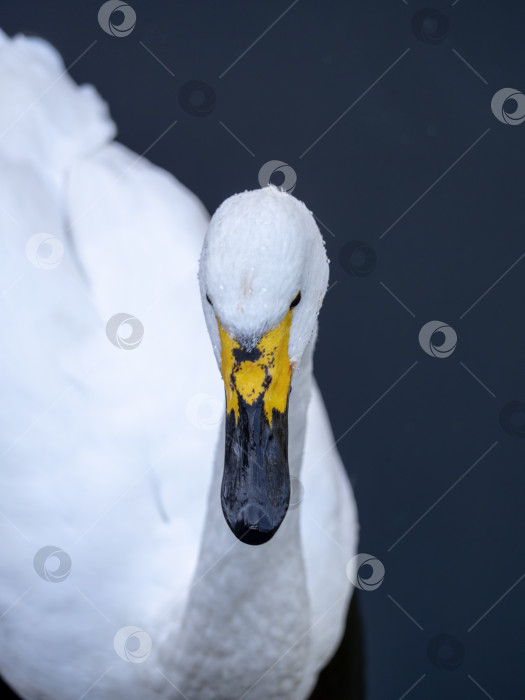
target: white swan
<point>121,577</point>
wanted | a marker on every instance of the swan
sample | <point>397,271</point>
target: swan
<point>174,516</point>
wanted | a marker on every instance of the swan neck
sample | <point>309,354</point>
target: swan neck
<point>248,605</point>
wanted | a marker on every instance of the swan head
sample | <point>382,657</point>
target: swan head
<point>263,275</point>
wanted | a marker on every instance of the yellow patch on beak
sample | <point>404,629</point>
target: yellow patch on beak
<point>265,370</point>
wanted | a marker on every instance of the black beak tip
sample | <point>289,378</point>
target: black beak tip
<point>254,536</point>
<point>253,526</point>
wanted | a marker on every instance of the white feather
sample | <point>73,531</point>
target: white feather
<point>114,455</point>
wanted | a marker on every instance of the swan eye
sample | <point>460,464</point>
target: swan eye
<point>209,300</point>
<point>296,300</point>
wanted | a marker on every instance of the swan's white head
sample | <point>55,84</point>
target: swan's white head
<point>263,275</point>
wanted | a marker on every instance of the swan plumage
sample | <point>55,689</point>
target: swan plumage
<point>113,455</point>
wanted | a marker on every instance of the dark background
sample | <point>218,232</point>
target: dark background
<point>414,428</point>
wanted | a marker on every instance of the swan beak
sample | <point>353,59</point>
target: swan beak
<point>256,481</point>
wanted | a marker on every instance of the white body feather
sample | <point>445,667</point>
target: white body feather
<point>109,454</point>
